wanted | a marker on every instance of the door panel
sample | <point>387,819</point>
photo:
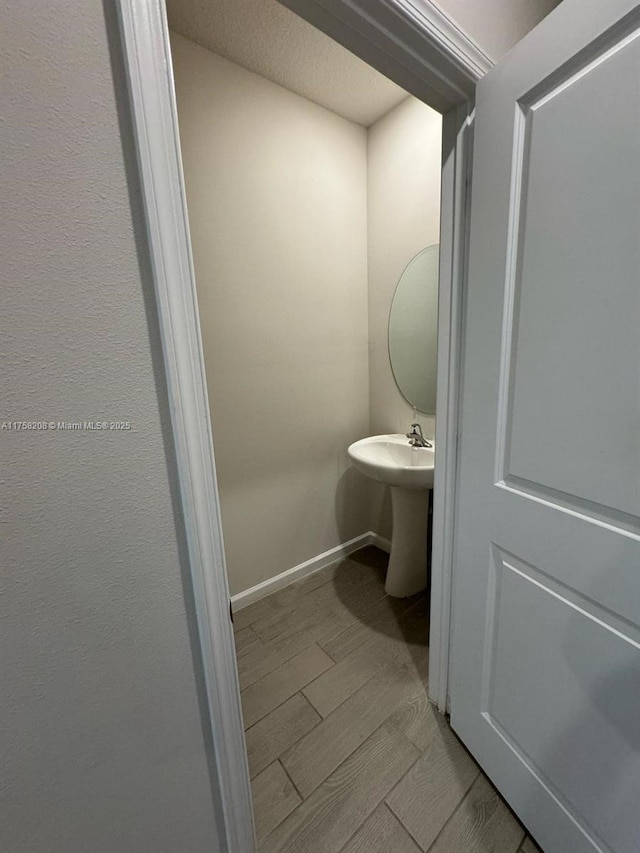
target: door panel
<point>545,665</point>
<point>560,716</point>
<point>568,197</point>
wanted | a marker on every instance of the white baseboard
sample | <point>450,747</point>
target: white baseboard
<point>309,567</point>
<point>380,542</point>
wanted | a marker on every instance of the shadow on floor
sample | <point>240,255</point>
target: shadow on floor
<point>359,583</point>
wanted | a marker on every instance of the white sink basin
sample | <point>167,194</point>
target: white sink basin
<point>390,459</point>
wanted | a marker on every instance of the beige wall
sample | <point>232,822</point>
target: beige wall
<point>102,744</point>
<point>403,217</point>
<point>276,189</point>
<point>496,25</point>
<point>404,162</point>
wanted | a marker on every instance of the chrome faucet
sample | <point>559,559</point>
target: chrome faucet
<point>416,438</point>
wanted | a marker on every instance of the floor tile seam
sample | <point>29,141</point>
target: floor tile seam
<point>359,827</point>
<point>295,788</point>
<point>401,780</point>
<point>511,812</point>
<point>376,671</point>
<point>384,796</point>
<point>384,722</point>
<point>335,793</point>
<point>337,768</point>
<point>394,817</point>
<point>289,609</point>
<point>378,640</point>
<point>335,636</point>
<point>256,641</point>
<point>377,602</point>
<point>236,629</point>
<point>297,806</point>
<point>451,816</point>
<point>266,714</point>
<point>294,654</point>
<point>501,800</point>
<point>353,619</point>
<point>289,746</point>
<point>325,612</point>
<point>356,649</point>
<point>244,652</point>
<point>284,702</point>
<point>284,663</point>
<point>346,699</point>
<point>245,628</point>
<point>522,840</point>
<point>328,641</point>
<point>331,577</point>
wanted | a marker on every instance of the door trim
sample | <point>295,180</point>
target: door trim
<point>413,42</point>
<point>457,147</point>
<point>404,34</point>
<point>145,37</point>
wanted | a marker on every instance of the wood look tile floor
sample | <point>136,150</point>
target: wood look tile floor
<point>345,751</point>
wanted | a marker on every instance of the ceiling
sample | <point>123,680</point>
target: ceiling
<point>272,41</point>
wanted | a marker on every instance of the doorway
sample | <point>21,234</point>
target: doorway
<point>199,492</point>
<point>309,229</point>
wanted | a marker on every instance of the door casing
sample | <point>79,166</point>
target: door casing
<point>416,45</point>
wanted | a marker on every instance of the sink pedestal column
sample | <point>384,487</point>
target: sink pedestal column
<point>407,572</point>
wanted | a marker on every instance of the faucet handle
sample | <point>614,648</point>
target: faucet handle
<point>416,437</point>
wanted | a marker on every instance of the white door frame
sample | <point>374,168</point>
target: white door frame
<point>415,44</point>
<point>457,132</point>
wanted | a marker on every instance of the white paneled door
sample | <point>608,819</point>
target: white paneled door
<point>545,666</point>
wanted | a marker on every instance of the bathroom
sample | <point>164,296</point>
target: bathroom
<point>302,223</point>
<point>314,223</point>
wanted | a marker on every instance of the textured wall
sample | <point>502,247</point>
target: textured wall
<point>102,744</point>
<point>404,150</point>
<point>276,189</point>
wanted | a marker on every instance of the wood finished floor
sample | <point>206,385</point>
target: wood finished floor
<point>345,751</point>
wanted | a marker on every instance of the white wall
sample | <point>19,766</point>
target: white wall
<point>404,152</point>
<point>496,25</point>
<point>102,744</point>
<point>276,190</point>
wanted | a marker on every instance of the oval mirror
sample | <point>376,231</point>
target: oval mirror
<point>413,326</point>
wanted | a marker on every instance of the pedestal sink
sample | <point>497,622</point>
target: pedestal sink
<point>390,459</point>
